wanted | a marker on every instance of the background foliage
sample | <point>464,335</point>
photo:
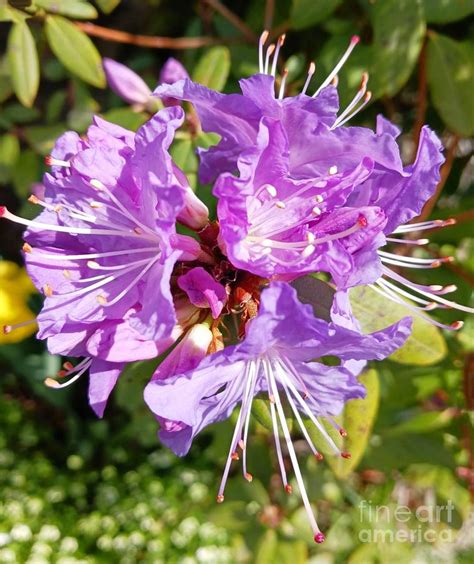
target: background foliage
<point>74,489</point>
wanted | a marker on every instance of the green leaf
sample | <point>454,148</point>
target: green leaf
<point>423,422</point>
<point>107,6</point>
<point>70,8</point>
<point>24,64</point>
<point>43,137</point>
<point>126,117</point>
<point>305,13</point>
<point>213,68</point>
<point>183,153</point>
<point>75,50</point>
<point>445,11</point>
<point>426,344</point>
<point>357,419</point>
<point>9,153</point>
<point>26,172</point>
<point>451,80</point>
<point>399,29</point>
<point>261,412</point>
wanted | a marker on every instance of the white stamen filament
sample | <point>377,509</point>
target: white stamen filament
<point>339,65</point>
<point>291,450</point>
<point>359,95</point>
<point>425,225</point>
<point>4,212</point>
<point>386,293</point>
<point>367,98</point>
<point>311,70</point>
<point>261,43</point>
<point>280,42</point>
<point>82,367</point>
<point>237,430</point>
<point>281,92</point>
<point>419,242</point>
<point>89,256</point>
<point>270,50</point>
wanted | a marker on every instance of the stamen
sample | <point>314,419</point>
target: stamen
<point>359,95</point>
<point>354,40</point>
<point>367,98</point>
<point>9,328</point>
<point>386,293</point>
<point>5,213</point>
<point>432,297</point>
<point>87,256</point>
<point>311,71</point>
<point>333,170</point>
<point>52,161</point>
<point>47,290</point>
<point>425,225</point>
<point>284,76</point>
<point>81,368</point>
<point>270,50</point>
<point>261,43</point>
<point>251,368</point>
<point>292,453</point>
<point>280,42</point>
<point>408,241</point>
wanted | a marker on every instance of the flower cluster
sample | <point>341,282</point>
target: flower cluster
<point>298,192</point>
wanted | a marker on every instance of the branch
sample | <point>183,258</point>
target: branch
<point>422,98</point>
<point>269,12</point>
<point>153,42</point>
<point>233,19</point>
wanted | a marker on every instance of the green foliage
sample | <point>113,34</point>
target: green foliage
<point>306,13</point>
<point>451,78</point>
<point>425,345</point>
<point>213,67</point>
<point>75,50</point>
<point>24,65</point>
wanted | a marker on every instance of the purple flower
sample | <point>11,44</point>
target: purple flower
<point>103,249</point>
<point>126,83</point>
<point>203,291</point>
<point>274,224</point>
<point>276,357</point>
<point>311,193</point>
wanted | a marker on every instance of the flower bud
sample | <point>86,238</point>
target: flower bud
<point>171,72</point>
<point>126,83</point>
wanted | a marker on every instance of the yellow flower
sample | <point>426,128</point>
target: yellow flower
<point>15,288</point>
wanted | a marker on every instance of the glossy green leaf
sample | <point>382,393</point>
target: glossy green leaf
<point>75,50</point>
<point>24,64</point>
<point>316,293</point>
<point>26,172</point>
<point>445,11</point>
<point>451,80</point>
<point>184,155</point>
<point>357,419</point>
<point>261,412</point>
<point>126,117</point>
<point>305,13</point>
<point>423,422</point>
<point>426,344</point>
<point>78,9</point>
<point>9,153</point>
<point>107,6</point>
<point>213,68</point>
<point>399,29</point>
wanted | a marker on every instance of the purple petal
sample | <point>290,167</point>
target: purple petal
<point>126,83</point>
<point>203,291</point>
<point>102,378</point>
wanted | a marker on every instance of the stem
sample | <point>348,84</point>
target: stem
<point>233,19</point>
<point>153,42</point>
<point>422,99</point>
<point>269,12</point>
